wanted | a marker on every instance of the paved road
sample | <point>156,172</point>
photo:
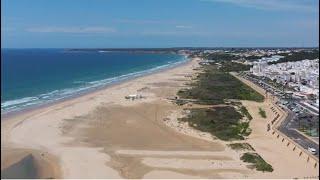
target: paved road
<point>295,136</point>
<point>292,133</point>
<point>313,111</point>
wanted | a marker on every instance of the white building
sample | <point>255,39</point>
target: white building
<point>302,75</point>
<point>258,68</point>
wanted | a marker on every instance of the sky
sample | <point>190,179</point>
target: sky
<point>159,23</point>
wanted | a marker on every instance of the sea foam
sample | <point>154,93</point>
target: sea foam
<point>60,94</point>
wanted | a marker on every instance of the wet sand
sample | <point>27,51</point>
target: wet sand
<point>104,135</point>
<point>88,134</point>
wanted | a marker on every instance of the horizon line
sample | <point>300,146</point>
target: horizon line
<point>177,47</point>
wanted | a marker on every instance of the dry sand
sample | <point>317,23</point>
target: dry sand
<point>286,162</point>
<point>38,164</point>
<point>103,135</point>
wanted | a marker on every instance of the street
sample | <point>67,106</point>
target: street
<point>295,136</point>
<point>287,125</point>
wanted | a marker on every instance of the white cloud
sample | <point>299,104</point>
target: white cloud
<point>175,33</point>
<point>183,27</point>
<point>161,33</point>
<point>143,21</point>
<point>71,29</point>
<point>293,5</point>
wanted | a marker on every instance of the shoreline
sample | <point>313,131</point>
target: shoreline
<point>13,137</point>
<point>119,138</point>
<point>11,114</point>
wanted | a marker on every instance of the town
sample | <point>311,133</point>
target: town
<point>289,75</point>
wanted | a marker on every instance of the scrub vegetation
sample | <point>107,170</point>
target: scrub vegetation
<point>215,86</point>
<point>222,122</point>
<point>256,161</point>
<point>262,113</point>
<point>241,146</point>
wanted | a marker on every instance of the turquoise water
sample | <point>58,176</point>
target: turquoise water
<point>32,77</point>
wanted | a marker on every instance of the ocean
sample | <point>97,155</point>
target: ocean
<point>33,77</point>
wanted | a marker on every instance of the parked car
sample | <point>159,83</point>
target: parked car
<point>312,150</point>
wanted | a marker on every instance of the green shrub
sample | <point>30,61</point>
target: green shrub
<point>222,122</point>
<point>245,112</point>
<point>262,113</point>
<point>257,162</point>
<point>214,86</point>
<point>241,146</point>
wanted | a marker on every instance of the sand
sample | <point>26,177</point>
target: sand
<point>28,163</point>
<point>286,162</point>
<point>103,135</point>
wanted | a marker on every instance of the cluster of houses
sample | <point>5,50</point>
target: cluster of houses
<point>302,76</point>
<point>262,52</point>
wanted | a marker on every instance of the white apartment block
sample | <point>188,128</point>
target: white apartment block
<point>303,75</point>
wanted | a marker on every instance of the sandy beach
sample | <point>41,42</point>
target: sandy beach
<point>104,135</point>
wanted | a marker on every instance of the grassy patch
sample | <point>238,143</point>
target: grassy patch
<point>257,162</point>
<point>180,102</point>
<point>298,56</point>
<point>262,113</point>
<point>222,122</point>
<point>214,86</point>
<point>228,66</point>
<point>241,146</point>
<point>245,112</point>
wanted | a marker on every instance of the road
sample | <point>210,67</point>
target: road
<point>295,136</point>
<point>313,111</point>
<point>285,126</point>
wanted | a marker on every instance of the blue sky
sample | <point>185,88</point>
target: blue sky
<point>158,23</point>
